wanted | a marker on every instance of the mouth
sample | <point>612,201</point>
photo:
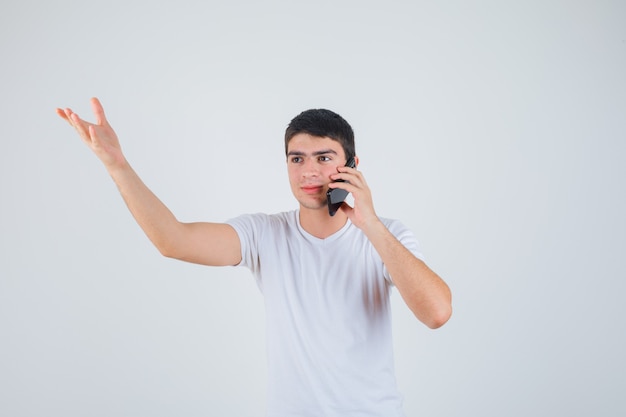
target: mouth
<point>312,189</point>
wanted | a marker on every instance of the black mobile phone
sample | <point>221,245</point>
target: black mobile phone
<point>335,196</point>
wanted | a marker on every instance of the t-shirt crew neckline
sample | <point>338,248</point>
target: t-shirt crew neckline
<point>318,240</point>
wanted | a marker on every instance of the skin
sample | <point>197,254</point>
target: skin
<point>313,163</point>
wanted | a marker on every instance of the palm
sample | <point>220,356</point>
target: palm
<point>99,136</point>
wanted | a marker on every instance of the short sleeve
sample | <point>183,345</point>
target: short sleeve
<point>406,237</point>
<point>249,228</point>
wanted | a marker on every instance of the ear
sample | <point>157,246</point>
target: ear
<point>356,161</point>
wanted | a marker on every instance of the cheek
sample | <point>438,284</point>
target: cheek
<point>293,174</point>
<point>328,171</point>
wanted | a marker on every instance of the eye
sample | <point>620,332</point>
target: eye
<point>296,159</point>
<point>324,158</point>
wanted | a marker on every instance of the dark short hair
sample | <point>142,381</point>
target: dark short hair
<point>322,123</point>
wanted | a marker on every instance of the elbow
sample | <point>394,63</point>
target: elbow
<point>440,311</point>
<point>166,252</point>
<point>166,249</point>
<point>439,317</point>
<point>171,252</point>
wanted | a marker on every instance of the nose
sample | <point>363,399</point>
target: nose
<point>310,169</point>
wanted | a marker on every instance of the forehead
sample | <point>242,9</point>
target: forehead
<point>308,144</point>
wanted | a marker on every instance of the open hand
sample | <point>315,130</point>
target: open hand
<point>99,136</point>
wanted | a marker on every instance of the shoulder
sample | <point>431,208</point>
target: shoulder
<point>404,235</point>
<point>260,221</point>
<point>395,226</point>
<point>260,232</point>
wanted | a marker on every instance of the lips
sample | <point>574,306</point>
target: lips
<point>312,189</point>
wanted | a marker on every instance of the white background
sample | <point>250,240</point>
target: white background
<point>495,130</point>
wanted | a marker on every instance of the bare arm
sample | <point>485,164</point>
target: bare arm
<point>424,292</point>
<point>204,243</point>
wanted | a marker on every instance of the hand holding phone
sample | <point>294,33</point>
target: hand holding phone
<point>336,196</point>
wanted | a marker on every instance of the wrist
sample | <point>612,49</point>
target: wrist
<point>373,227</point>
<point>117,167</point>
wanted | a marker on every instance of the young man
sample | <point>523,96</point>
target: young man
<point>325,279</point>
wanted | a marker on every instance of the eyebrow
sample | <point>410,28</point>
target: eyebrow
<point>316,153</point>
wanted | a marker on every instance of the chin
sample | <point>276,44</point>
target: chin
<point>312,205</point>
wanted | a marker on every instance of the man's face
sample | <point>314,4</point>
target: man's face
<point>311,160</point>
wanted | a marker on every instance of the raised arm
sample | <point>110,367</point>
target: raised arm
<point>214,244</point>
<point>424,292</point>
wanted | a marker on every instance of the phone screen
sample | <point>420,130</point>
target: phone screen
<point>336,196</point>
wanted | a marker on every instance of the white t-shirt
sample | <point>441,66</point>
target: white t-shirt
<point>329,340</point>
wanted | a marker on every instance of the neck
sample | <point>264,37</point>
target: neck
<point>319,223</point>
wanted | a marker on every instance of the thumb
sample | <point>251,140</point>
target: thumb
<point>98,111</point>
